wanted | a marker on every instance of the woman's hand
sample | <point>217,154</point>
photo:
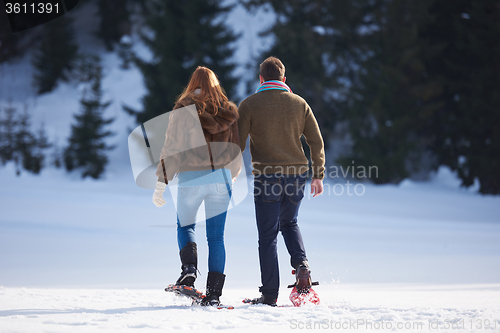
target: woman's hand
<point>158,195</point>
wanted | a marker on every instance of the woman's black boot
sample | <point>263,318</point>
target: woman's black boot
<point>189,260</point>
<point>215,282</point>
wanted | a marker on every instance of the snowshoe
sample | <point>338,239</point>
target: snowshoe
<point>260,300</point>
<point>302,292</point>
<point>301,298</point>
<point>186,291</point>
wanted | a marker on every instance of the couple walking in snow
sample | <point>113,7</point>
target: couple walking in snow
<point>275,119</point>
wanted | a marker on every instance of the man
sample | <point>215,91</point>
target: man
<point>275,118</point>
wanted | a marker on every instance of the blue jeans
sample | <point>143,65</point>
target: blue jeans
<point>216,197</point>
<point>277,202</point>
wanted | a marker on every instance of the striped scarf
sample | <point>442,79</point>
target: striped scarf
<point>273,84</point>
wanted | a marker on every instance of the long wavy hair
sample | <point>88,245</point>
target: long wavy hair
<point>211,95</point>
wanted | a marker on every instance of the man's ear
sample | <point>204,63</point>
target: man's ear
<point>261,79</point>
<point>284,79</point>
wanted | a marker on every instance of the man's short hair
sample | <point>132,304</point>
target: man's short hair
<point>272,69</point>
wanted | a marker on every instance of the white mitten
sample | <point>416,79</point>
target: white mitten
<point>158,195</point>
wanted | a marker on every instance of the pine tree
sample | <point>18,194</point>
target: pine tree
<point>115,21</point>
<point>392,94</point>
<point>186,35</point>
<point>87,146</point>
<point>25,144</point>
<point>467,126</point>
<point>86,68</point>
<point>125,51</point>
<point>8,41</point>
<point>55,55</point>
<point>19,144</point>
<point>37,155</point>
<point>8,128</point>
<point>57,155</point>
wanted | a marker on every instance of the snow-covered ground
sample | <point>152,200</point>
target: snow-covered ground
<point>86,255</point>
<point>357,308</point>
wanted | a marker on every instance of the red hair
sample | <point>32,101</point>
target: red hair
<point>211,95</point>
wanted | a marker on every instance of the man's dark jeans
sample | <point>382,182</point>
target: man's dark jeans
<point>277,202</point>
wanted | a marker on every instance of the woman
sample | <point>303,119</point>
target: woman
<point>204,174</point>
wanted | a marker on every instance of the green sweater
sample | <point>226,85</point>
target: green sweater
<point>275,121</point>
